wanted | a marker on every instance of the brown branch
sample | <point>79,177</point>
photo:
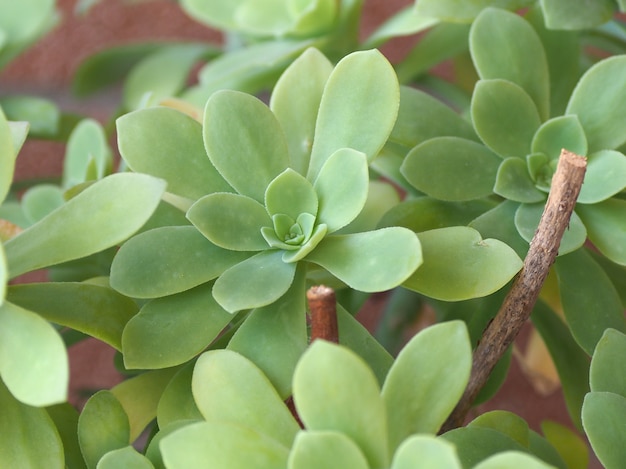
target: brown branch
<point>323,306</point>
<point>519,302</point>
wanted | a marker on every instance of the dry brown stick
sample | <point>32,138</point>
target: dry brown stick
<point>323,306</point>
<point>519,302</point>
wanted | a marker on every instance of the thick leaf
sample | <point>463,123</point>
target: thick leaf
<point>514,183</point>
<point>499,223</point>
<point>527,219</point>
<point>325,450</point>
<point>451,169</point>
<point>152,338</point>
<point>358,109</point>
<point>101,216</point>
<point>42,114</point>
<point>512,460</point>
<point>371,261</point>
<point>558,133</point>
<point>127,458</point>
<point>168,260</point>
<point>607,366</point>
<point>505,422</point>
<point>605,176</point>
<point>33,359</point>
<point>231,221</point>
<point>168,144</point>
<point>335,390</point>
<point>295,102</point>
<point>291,194</point>
<point>3,275</point>
<point>571,447</point>
<point>504,45</point>
<point>382,196</point>
<point>590,301</point>
<point>29,437</point>
<point>87,146</point>
<point>7,157</point>
<point>427,380</point>
<point>275,336</point>
<point>98,311</point>
<point>227,446</point>
<point>229,388</point>
<point>598,99</point>
<point>244,141</point>
<point>216,14</point>
<point>576,14</point>
<point>606,227</point>
<point>424,452</point>
<point>505,117</point>
<point>404,23</point>
<point>139,397</point>
<point>603,419</point>
<point>41,200</point>
<point>459,265</point>
<point>341,186</point>
<point>102,427</point>
<point>474,444</point>
<point>176,403</point>
<point>254,282</point>
<point>462,11</point>
<point>65,418</point>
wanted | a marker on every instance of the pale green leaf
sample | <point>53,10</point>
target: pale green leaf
<point>598,99</point>
<point>229,388</point>
<point>4,275</point>
<point>29,437</point>
<point>474,444</point>
<point>608,370</point>
<point>505,422</point>
<point>341,187</point>
<point>41,200</point>
<point>603,418</point>
<point>33,360</point>
<point>168,260</point>
<point>86,145</point>
<point>19,132</point>
<point>512,460</point>
<point>43,115</point>
<point>382,196</point>
<point>499,223</point>
<point>101,216</point>
<point>358,109</point>
<point>325,450</point>
<point>295,102</point>
<point>216,14</point>
<point>590,301</point>
<point>98,311</point>
<point>168,144</point>
<point>605,176</point>
<point>65,418</point>
<point>7,157</point>
<point>425,452</point>
<point>290,194</point>
<point>227,446</point>
<point>24,21</point>
<point>244,141</point>
<point>372,261</point>
<point>152,338</point>
<point>563,132</point>
<point>505,117</point>
<point>459,264</point>
<point>451,169</point>
<point>576,14</point>
<point>176,403</point>
<point>464,11</point>
<point>102,427</point>
<point>606,227</point>
<point>427,380</point>
<point>335,390</point>
<point>231,221</point>
<point>513,182</point>
<point>571,447</point>
<point>404,23</point>
<point>257,281</point>
<point>127,457</point>
<point>518,57</point>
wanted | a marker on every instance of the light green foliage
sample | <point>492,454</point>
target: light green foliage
<point>577,14</point>
<point>464,11</point>
<point>40,200</point>
<point>325,449</point>
<point>127,457</point>
<point>43,115</point>
<point>88,156</point>
<point>605,176</point>
<point>607,372</point>
<point>423,452</point>
<point>571,447</point>
<point>606,222</point>
<point>7,156</point>
<point>512,460</point>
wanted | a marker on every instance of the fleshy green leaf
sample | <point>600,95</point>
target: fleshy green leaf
<point>505,422</point>
<point>558,133</point>
<point>504,45</point>
<point>4,275</point>
<point>295,102</point>
<point>335,390</point>
<point>418,393</point>
<point>7,157</point>
<point>41,200</point>
<point>325,450</point>
<point>168,144</point>
<point>605,176</point>
<point>462,11</point>
<point>358,109</point>
<point>151,338</point>
<point>98,311</point>
<point>586,288</point>
<point>576,14</point>
<point>127,458</point>
<point>87,145</point>
<point>176,403</point>
<point>474,444</point>
<point>606,226</point>
<point>341,187</point>
<point>231,221</point>
<point>244,141</point>
<point>291,194</point>
<point>255,282</point>
<point>102,427</point>
<point>512,460</point>
<point>527,219</point>
<point>101,216</point>
<point>598,100</point>
<point>514,183</point>
<point>33,359</point>
<point>29,437</point>
<point>607,372</point>
<point>459,264</point>
<point>571,447</point>
<point>505,117</point>
<point>423,452</point>
<point>404,23</point>
<point>227,446</point>
<point>433,167</point>
<point>499,223</point>
<point>168,260</point>
<point>229,388</point>
<point>371,261</point>
<point>42,114</point>
<point>603,418</point>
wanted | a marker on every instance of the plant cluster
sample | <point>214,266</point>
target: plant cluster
<point>193,257</point>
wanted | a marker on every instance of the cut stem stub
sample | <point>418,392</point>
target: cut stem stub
<point>323,306</point>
